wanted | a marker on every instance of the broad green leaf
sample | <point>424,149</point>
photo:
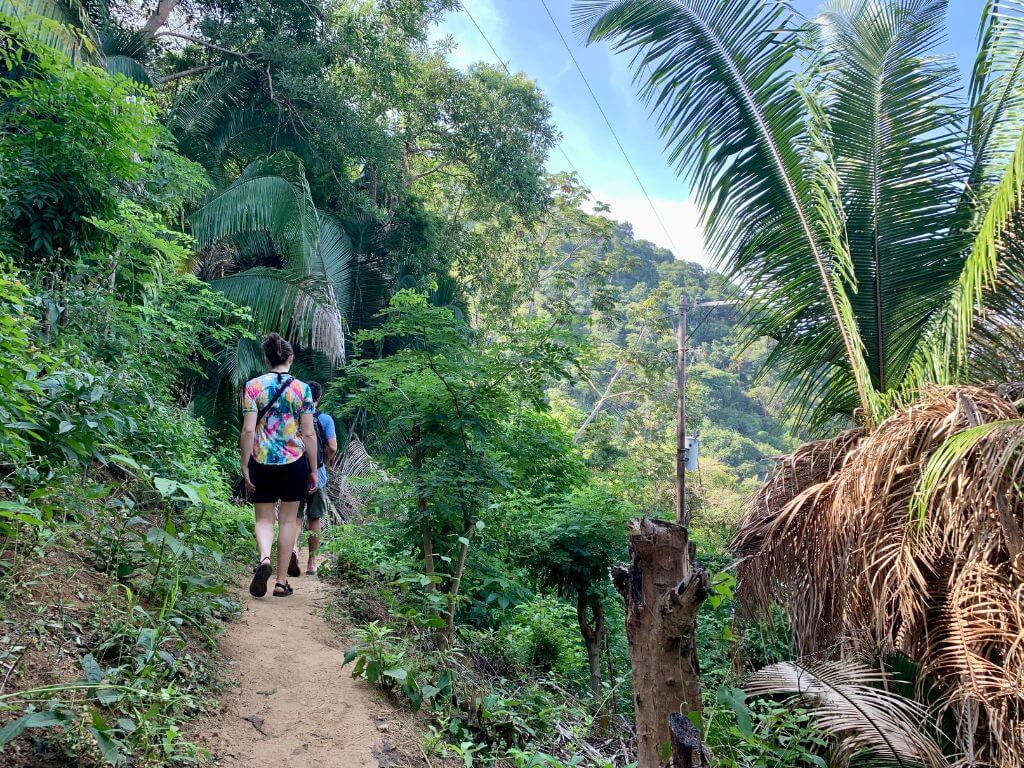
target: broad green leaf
<point>93,673</point>
<point>165,486</point>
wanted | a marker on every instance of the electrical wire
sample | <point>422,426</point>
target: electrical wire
<point>611,128</point>
<point>504,66</point>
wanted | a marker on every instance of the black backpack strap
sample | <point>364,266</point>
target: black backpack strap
<point>270,404</point>
<point>321,448</point>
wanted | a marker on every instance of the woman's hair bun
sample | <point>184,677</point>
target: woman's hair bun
<point>276,349</point>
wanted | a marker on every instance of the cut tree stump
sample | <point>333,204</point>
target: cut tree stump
<point>663,587</point>
<point>686,748</point>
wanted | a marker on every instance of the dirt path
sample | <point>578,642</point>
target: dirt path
<point>294,704</point>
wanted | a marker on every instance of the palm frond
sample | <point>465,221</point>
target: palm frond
<point>129,67</point>
<point>981,271</point>
<point>335,260</point>
<point>997,91</point>
<point>242,362</point>
<point>720,76</point>
<point>892,132</point>
<point>271,196</point>
<point>1003,442</point>
<point>846,699</point>
<point>210,147</point>
<point>296,305</point>
<point>60,24</point>
<point>217,401</point>
<point>200,108</point>
<point>124,51</point>
<point>908,539</point>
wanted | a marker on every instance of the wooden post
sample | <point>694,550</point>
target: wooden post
<point>663,587</point>
<point>681,517</point>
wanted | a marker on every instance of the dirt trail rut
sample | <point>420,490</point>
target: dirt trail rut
<point>294,704</point>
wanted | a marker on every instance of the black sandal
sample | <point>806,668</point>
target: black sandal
<point>260,577</point>
<point>293,566</point>
<point>286,589</point>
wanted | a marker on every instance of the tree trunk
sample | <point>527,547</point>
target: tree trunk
<point>159,17</point>
<point>428,540</point>
<point>613,705</point>
<point>663,588</point>
<point>421,507</point>
<point>594,633</point>
<point>453,591</point>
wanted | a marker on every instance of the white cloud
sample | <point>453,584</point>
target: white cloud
<point>680,218</point>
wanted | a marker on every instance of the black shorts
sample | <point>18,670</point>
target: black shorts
<point>284,482</point>
<point>314,505</point>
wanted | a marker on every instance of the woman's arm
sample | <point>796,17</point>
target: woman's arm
<point>309,442</point>
<point>245,445</point>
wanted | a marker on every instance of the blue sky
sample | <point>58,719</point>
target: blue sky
<point>524,37</point>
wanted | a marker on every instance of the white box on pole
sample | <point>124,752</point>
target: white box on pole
<point>692,449</point>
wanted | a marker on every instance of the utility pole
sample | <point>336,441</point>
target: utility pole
<point>682,450</point>
<point>663,587</point>
<point>681,517</point>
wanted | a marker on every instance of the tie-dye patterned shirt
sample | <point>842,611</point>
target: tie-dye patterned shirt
<point>278,440</point>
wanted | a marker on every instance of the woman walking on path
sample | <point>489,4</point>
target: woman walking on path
<point>278,436</point>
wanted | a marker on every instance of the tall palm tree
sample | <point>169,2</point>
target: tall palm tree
<point>869,209</point>
<point>289,263</point>
<point>304,257</point>
<point>873,215</point>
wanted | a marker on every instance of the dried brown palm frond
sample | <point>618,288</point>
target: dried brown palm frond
<point>353,462</point>
<point>908,539</point>
<point>783,515</point>
<point>848,700</point>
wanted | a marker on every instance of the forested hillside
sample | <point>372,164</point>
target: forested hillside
<point>730,394</point>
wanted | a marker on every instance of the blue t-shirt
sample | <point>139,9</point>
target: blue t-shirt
<point>327,425</point>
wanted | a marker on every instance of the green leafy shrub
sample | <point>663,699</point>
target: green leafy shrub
<point>543,634</point>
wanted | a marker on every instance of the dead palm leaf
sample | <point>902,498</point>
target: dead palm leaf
<point>908,539</point>
<point>847,700</point>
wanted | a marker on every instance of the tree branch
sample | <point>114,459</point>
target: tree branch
<point>204,43</point>
<point>159,17</point>
<point>679,607</point>
<point>435,169</point>
<point>185,73</point>
<point>606,395</point>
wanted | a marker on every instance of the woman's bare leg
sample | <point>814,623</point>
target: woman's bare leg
<point>264,528</point>
<point>314,542</point>
<point>298,532</point>
<point>286,524</point>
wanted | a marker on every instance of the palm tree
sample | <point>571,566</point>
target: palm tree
<point>869,210</point>
<point>906,540</point>
<point>269,216</point>
<point>873,215</point>
<point>268,248</point>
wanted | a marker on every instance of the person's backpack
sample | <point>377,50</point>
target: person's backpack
<point>321,440</point>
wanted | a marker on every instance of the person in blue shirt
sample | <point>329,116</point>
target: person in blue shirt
<point>313,507</point>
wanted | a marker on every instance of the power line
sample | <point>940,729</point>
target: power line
<point>508,72</point>
<point>611,128</point>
